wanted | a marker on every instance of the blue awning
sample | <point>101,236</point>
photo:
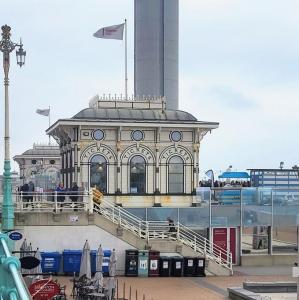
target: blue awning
<point>234,175</point>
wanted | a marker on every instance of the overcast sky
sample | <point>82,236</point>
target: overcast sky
<point>239,65</point>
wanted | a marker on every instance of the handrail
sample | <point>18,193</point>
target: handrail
<point>13,286</point>
<point>160,230</point>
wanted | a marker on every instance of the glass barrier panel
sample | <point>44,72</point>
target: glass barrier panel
<point>255,240</point>
<point>203,196</point>
<point>226,215</point>
<point>284,239</point>
<point>138,212</point>
<point>162,213</point>
<point>194,217</point>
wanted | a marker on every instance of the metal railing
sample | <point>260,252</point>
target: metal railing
<point>148,230</point>
<point>11,281</point>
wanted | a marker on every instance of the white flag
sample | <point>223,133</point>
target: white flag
<point>43,112</point>
<point>115,32</point>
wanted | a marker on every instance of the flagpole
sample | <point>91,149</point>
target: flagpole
<point>126,61</point>
<point>49,125</point>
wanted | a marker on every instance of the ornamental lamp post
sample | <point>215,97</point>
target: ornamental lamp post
<point>7,46</point>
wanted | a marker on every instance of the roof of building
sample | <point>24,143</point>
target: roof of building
<point>234,175</point>
<point>43,150</point>
<point>134,114</point>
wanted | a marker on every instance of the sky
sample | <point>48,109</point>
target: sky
<point>238,62</point>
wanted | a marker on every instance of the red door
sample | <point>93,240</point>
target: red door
<point>220,240</point>
<point>232,243</point>
<point>225,238</point>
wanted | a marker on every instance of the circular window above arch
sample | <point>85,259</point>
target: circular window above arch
<point>175,136</point>
<point>137,135</point>
<point>98,134</point>
<point>52,162</point>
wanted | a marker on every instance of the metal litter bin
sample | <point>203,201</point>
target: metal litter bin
<point>164,266</point>
<point>106,259</point>
<point>200,265</point>
<point>177,266</point>
<point>143,263</point>
<point>131,263</point>
<point>189,266</point>
<point>153,269</point>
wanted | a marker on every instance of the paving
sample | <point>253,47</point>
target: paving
<point>195,288</point>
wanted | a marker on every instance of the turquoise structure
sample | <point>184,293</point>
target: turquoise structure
<point>7,206</point>
<point>12,286</point>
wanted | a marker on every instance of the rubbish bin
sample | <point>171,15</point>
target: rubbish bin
<point>93,261</point>
<point>164,266</point>
<point>200,264</point>
<point>50,262</point>
<point>131,263</point>
<point>106,259</point>
<point>153,269</point>
<point>177,266</point>
<point>143,263</point>
<point>71,261</point>
<point>189,266</point>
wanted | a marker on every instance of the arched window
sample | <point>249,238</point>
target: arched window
<point>137,175</point>
<point>176,175</point>
<point>98,173</point>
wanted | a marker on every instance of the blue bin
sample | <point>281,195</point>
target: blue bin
<point>71,261</point>
<point>106,258</point>
<point>50,262</point>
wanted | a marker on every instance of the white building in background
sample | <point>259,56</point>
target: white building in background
<point>156,48</point>
<point>41,165</point>
<point>137,152</point>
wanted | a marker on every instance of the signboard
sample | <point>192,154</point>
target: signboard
<point>44,289</point>
<point>15,236</point>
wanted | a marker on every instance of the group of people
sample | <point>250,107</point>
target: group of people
<point>217,184</point>
<point>27,191</point>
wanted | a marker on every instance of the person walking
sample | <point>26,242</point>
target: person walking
<point>60,194</point>
<point>172,229</point>
<point>74,194</point>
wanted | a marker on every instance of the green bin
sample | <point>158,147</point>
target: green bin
<point>143,263</point>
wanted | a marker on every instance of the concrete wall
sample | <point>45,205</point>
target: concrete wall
<point>58,238</point>
<point>268,260</point>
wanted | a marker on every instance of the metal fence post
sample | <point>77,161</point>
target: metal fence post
<point>55,202</point>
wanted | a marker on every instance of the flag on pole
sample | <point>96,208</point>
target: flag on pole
<point>210,174</point>
<point>115,32</point>
<point>43,112</point>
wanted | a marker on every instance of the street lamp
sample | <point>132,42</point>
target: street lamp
<point>7,46</point>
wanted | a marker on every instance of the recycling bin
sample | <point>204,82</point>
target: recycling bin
<point>164,266</point>
<point>71,261</point>
<point>189,266</point>
<point>106,259</point>
<point>131,268</point>
<point>177,266</point>
<point>153,269</point>
<point>50,262</point>
<point>200,264</point>
<point>143,263</point>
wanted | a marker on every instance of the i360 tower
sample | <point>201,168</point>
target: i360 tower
<point>156,49</point>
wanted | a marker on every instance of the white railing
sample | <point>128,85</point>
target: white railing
<point>51,202</point>
<point>192,239</point>
<point>148,230</point>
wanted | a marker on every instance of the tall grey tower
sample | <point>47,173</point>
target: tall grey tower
<point>156,49</point>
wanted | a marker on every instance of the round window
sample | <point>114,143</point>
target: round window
<point>52,162</point>
<point>98,134</point>
<point>34,161</point>
<point>137,135</point>
<point>175,136</point>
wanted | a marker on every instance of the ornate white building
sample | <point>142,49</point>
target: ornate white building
<point>41,165</point>
<point>137,152</point>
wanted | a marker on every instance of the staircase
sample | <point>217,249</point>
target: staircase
<point>146,234</point>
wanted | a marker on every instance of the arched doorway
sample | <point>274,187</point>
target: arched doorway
<point>98,173</point>
<point>137,175</point>
<point>176,175</point>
